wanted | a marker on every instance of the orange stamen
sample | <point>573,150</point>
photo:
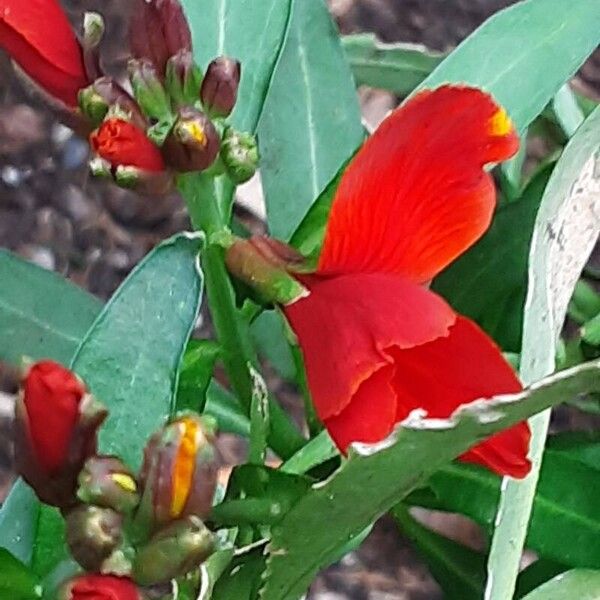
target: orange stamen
<point>185,461</point>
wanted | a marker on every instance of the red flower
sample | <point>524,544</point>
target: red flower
<point>121,143</point>
<point>55,431</point>
<point>38,36</point>
<point>376,342</point>
<point>100,587</point>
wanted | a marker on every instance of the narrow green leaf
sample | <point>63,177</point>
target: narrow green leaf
<point>399,68</point>
<point>129,360</point>
<point>311,121</point>
<point>459,570</point>
<point>536,574</point>
<point>565,233</point>
<point>300,544</point>
<point>251,31</point>
<point>509,54</point>
<point>471,283</point>
<point>567,111</point>
<point>583,584</point>
<point>195,374</point>
<point>41,314</point>
<point>268,332</point>
<point>17,581</point>
<point>225,408</point>
<point>242,579</point>
<point>313,454</point>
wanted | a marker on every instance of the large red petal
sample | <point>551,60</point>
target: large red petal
<point>370,416</point>
<point>416,195</point>
<point>39,37</point>
<point>466,365</point>
<point>346,323</point>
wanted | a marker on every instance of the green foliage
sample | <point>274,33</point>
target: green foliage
<point>17,582</point>
<point>41,314</point>
<point>311,120</point>
<point>583,584</point>
<point>195,374</point>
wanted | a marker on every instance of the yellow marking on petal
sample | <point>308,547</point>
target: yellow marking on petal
<point>185,462</point>
<point>500,123</point>
<point>125,482</point>
<point>196,131</point>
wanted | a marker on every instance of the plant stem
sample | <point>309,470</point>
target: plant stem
<point>208,211</point>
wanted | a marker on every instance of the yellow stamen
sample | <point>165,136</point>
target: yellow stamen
<point>196,132</point>
<point>124,481</point>
<point>183,472</point>
<point>500,123</point>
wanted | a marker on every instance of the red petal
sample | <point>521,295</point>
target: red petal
<point>103,587</point>
<point>51,394</point>
<point>441,375</point>
<point>122,143</point>
<point>371,414</point>
<point>346,323</point>
<point>416,194</point>
<point>39,37</point>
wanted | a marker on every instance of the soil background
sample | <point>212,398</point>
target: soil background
<point>53,214</point>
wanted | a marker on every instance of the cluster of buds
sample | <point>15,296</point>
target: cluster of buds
<point>172,120</point>
<point>127,532</point>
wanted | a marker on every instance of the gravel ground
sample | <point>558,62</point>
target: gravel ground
<point>52,213</point>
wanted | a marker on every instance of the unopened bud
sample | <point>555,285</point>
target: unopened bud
<point>93,534</point>
<point>158,30</point>
<point>145,182</point>
<point>265,266</point>
<point>239,152</point>
<point>106,94</point>
<point>220,86</point>
<point>56,423</point>
<point>183,78</point>
<point>194,142</point>
<point>173,552</point>
<point>179,473</point>
<point>105,481</point>
<point>93,32</point>
<point>149,90</point>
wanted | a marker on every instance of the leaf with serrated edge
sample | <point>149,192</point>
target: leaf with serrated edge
<point>565,233</point>
<point>300,544</point>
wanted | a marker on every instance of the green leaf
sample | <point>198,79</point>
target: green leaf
<point>251,31</point>
<point>565,233</point>
<point>311,121</point>
<point>565,505</point>
<point>129,360</point>
<point>509,54</point>
<point>41,314</point>
<point>583,584</point>
<point>312,454</point>
<point>268,333</point>
<point>195,374</point>
<point>242,579</point>
<point>18,521</point>
<point>471,283</point>
<point>459,570</point>
<point>225,408</point>
<point>536,574</point>
<point>567,111</point>
<point>399,68</point>
<point>17,581</point>
<point>301,545</point>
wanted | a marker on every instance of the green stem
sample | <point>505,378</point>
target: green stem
<point>208,209</point>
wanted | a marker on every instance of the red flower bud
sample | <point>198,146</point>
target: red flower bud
<point>38,36</point>
<point>100,587</point>
<point>179,473</point>
<point>55,431</point>
<point>158,30</point>
<point>220,86</point>
<point>121,143</point>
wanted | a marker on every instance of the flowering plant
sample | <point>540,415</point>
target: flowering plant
<point>413,286</point>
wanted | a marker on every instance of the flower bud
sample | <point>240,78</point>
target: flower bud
<point>106,94</point>
<point>149,91</point>
<point>93,32</point>
<point>183,78</point>
<point>158,30</point>
<point>220,86</point>
<point>105,481</point>
<point>179,473</point>
<point>173,552</point>
<point>93,534</point>
<point>239,153</point>
<point>56,423</point>
<point>264,265</point>
<point>99,587</point>
<point>122,143</point>
<point>194,142</point>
